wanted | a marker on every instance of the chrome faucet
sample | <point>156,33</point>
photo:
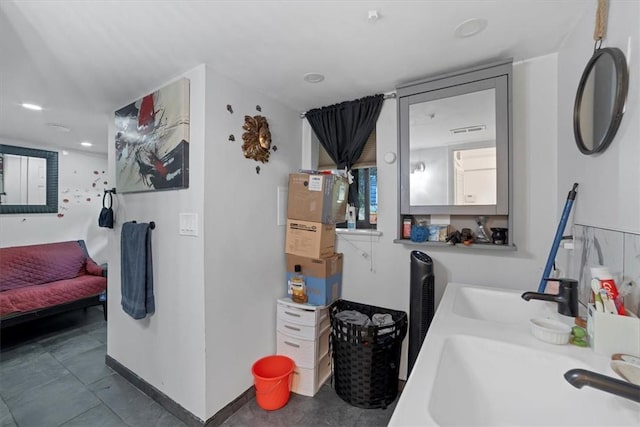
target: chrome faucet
<point>567,298</point>
<point>582,377</point>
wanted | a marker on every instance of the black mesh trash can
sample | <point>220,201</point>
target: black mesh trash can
<point>366,359</point>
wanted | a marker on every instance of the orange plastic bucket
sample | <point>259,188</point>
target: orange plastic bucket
<point>272,376</point>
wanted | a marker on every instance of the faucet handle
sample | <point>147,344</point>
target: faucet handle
<point>568,291</point>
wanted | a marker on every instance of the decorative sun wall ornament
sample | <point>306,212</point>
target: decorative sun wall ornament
<point>257,138</point>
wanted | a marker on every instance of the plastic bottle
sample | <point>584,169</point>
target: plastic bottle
<point>406,228</point>
<point>297,287</point>
<point>351,218</point>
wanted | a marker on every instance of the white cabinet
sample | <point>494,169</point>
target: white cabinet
<point>303,335</point>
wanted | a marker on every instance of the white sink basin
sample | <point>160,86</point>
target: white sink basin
<point>499,305</point>
<point>482,382</point>
<point>492,371</point>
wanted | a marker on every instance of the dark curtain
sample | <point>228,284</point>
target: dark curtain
<point>343,130</point>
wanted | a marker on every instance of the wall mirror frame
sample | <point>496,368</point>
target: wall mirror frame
<point>600,100</point>
<point>495,78</point>
<point>51,204</point>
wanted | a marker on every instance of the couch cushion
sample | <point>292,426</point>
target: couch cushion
<point>38,264</point>
<point>31,298</point>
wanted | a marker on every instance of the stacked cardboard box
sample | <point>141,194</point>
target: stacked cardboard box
<point>316,202</point>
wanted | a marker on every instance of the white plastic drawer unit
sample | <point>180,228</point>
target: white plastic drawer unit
<point>299,314</point>
<point>305,353</point>
<point>307,381</point>
<point>303,335</point>
<point>301,321</point>
<point>297,331</point>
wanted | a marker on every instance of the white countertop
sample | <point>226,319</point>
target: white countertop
<point>498,373</point>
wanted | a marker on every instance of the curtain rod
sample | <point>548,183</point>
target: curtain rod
<point>385,96</point>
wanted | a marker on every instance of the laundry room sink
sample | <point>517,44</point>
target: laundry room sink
<point>499,305</point>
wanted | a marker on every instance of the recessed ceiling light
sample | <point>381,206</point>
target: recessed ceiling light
<point>59,128</point>
<point>86,144</point>
<point>65,153</point>
<point>470,27</point>
<point>373,16</point>
<point>31,106</point>
<point>313,77</point>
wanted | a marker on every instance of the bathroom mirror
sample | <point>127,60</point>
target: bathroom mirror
<point>599,103</point>
<point>454,133</point>
<point>28,180</point>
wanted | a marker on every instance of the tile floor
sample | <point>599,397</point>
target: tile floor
<point>52,373</point>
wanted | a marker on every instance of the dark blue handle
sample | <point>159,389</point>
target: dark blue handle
<point>557,239</point>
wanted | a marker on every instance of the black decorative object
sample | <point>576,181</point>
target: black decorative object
<point>499,235</point>
<point>258,170</point>
<point>343,130</point>
<point>274,148</point>
<point>232,138</point>
<point>229,108</point>
<point>454,238</point>
<point>259,108</point>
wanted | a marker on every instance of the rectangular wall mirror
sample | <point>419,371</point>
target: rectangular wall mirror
<point>455,137</point>
<point>28,180</point>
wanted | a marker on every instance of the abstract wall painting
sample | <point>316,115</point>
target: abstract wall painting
<point>152,141</point>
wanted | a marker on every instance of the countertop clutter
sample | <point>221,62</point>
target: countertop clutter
<point>481,365</point>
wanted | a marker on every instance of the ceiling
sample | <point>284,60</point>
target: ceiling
<point>83,60</point>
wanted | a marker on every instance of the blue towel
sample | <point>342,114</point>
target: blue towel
<point>136,270</point>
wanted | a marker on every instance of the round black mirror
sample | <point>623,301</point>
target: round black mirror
<point>600,100</point>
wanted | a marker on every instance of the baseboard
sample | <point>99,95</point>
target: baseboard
<point>174,407</point>
<point>219,417</point>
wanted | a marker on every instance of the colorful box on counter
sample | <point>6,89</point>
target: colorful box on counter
<point>317,197</point>
<point>323,277</point>
<point>438,233</point>
<point>310,239</point>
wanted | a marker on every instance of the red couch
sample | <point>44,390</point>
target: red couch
<point>40,280</point>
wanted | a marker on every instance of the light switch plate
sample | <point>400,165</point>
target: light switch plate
<point>188,224</point>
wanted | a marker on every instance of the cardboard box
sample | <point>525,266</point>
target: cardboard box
<point>317,197</point>
<point>316,267</point>
<point>323,277</point>
<point>310,239</point>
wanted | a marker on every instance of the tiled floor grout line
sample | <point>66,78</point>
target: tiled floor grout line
<point>38,342</point>
<point>73,418</point>
<point>86,386</point>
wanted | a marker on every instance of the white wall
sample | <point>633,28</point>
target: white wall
<point>381,277</point>
<point>79,212</point>
<point>215,293</point>
<point>166,349</point>
<point>609,189</point>
<point>244,247</point>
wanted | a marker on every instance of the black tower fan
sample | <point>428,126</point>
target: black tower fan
<point>421,302</point>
